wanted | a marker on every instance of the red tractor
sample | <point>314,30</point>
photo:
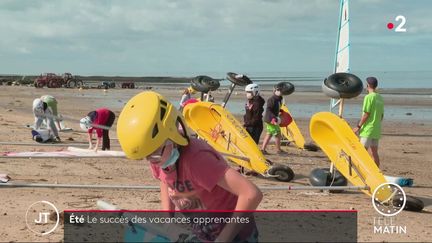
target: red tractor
<point>51,80</point>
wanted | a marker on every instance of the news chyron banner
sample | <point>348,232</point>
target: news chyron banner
<point>203,226</point>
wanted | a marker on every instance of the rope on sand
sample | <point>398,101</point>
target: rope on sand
<point>74,120</point>
<point>143,187</point>
<point>44,144</point>
<point>139,187</point>
<point>50,144</point>
<point>314,187</point>
<point>60,157</point>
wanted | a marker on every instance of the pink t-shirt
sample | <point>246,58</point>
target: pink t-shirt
<point>102,115</point>
<point>193,186</point>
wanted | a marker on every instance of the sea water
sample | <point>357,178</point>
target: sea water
<point>311,81</point>
<point>305,110</point>
<point>386,79</point>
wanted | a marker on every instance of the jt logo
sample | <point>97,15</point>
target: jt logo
<point>39,221</point>
<point>38,218</point>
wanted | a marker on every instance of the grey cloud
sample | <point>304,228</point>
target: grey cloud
<point>131,34</point>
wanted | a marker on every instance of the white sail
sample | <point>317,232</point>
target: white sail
<point>343,45</point>
<point>342,63</point>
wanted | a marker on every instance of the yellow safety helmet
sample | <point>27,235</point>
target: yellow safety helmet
<point>192,90</point>
<point>146,122</point>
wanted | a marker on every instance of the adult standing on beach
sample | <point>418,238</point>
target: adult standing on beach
<point>369,127</point>
<point>52,103</point>
<point>101,117</point>
<point>42,112</point>
<point>254,112</point>
<point>272,120</point>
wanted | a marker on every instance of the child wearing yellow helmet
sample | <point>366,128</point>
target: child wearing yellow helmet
<point>193,175</point>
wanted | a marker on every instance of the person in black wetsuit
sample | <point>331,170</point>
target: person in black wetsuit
<point>254,112</point>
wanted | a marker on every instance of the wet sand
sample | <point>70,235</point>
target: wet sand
<point>404,149</point>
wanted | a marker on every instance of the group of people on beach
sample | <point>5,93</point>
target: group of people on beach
<point>192,175</point>
<point>45,110</point>
<point>253,119</point>
<point>159,136</point>
<point>368,128</point>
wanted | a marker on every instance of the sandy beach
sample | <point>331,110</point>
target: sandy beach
<point>405,150</point>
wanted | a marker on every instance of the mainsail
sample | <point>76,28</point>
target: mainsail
<point>342,49</point>
<point>342,63</point>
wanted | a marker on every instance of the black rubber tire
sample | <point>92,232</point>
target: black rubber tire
<point>413,204</point>
<point>284,172</point>
<point>285,143</point>
<point>318,177</point>
<point>286,88</point>
<point>54,84</point>
<point>204,84</point>
<point>112,85</point>
<point>323,177</point>
<point>245,80</point>
<point>39,84</point>
<point>71,84</point>
<point>58,83</point>
<point>269,162</point>
<point>342,85</point>
<point>79,83</point>
<point>311,147</point>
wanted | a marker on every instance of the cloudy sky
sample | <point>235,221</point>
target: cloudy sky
<point>191,37</point>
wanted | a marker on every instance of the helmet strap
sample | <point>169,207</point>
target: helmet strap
<point>183,128</point>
